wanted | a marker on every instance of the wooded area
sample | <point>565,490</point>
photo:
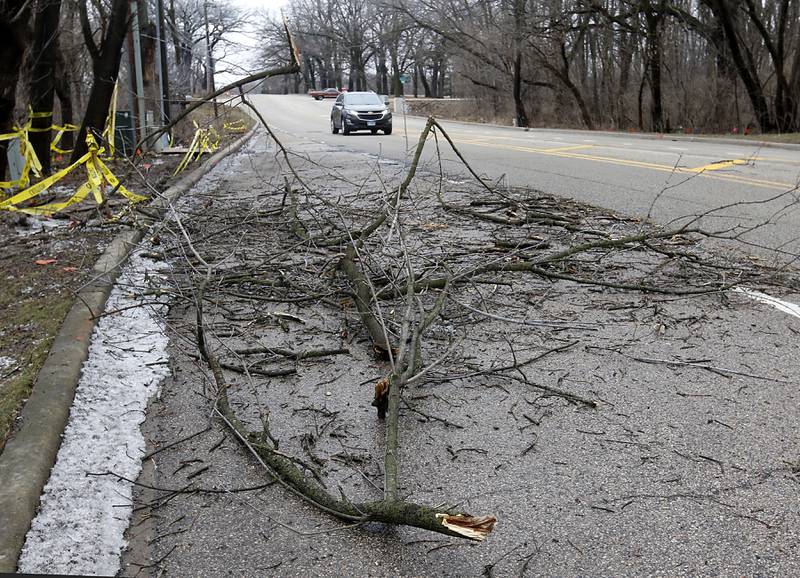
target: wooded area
<point>712,65</point>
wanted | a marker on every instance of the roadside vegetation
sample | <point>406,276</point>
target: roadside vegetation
<point>46,260</point>
<point>706,67</point>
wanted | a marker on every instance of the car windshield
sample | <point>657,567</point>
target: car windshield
<point>364,98</point>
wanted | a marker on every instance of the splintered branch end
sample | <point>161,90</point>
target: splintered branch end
<point>381,400</point>
<point>472,527</point>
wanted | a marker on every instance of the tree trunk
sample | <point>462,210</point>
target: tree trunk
<point>397,86</point>
<point>653,21</point>
<point>434,84</point>
<point>748,74</point>
<point>519,105</point>
<point>519,33</point>
<point>105,70</point>
<point>351,78</point>
<point>564,75</point>
<point>151,88</point>
<point>424,80</point>
<point>64,93</point>
<point>627,44</point>
<point>45,48</point>
<point>383,74</point>
<point>794,88</point>
<point>14,15</point>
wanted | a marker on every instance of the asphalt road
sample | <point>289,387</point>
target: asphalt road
<point>687,466</point>
<point>667,179</point>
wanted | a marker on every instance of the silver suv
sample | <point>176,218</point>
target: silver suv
<point>354,111</point>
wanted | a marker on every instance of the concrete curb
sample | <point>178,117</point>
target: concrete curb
<point>29,455</point>
<point>637,135</point>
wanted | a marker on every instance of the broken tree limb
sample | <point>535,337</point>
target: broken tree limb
<point>286,472</point>
<point>533,267</point>
<point>290,354</point>
<point>363,300</point>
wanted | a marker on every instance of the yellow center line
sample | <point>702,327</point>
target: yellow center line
<point>559,152</point>
<point>562,149</point>
<point>719,165</point>
<point>609,145</point>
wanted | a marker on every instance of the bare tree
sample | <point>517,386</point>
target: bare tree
<point>105,53</point>
<point>45,50</point>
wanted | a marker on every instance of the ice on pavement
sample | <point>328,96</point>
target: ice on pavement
<point>79,528</point>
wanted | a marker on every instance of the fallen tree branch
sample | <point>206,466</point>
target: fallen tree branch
<point>363,300</point>
<point>285,471</point>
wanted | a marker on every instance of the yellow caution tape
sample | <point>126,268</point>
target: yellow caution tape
<point>61,130</point>
<point>32,164</point>
<point>99,177</point>
<point>236,126</point>
<point>32,115</point>
<point>109,132</point>
<point>10,135</point>
<point>204,141</point>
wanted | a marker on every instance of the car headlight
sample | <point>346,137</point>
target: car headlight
<point>351,112</point>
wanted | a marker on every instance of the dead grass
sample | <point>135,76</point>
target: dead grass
<point>17,387</point>
<point>787,138</point>
<point>35,299</point>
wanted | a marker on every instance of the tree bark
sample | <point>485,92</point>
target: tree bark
<point>653,21</point>
<point>519,105</point>
<point>14,17</point>
<point>64,93</point>
<point>105,70</point>
<point>45,48</point>
<point>747,73</point>
<point>516,76</point>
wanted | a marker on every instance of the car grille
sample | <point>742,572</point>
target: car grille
<point>370,115</point>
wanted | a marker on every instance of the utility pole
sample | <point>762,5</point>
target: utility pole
<point>209,61</point>
<point>137,59</point>
<point>161,54</point>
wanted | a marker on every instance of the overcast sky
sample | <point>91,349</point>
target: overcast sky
<point>242,62</point>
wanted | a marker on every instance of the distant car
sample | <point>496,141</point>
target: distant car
<point>327,93</point>
<point>354,111</point>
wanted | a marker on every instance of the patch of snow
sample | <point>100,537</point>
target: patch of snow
<point>80,525</point>
<point>785,306</point>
